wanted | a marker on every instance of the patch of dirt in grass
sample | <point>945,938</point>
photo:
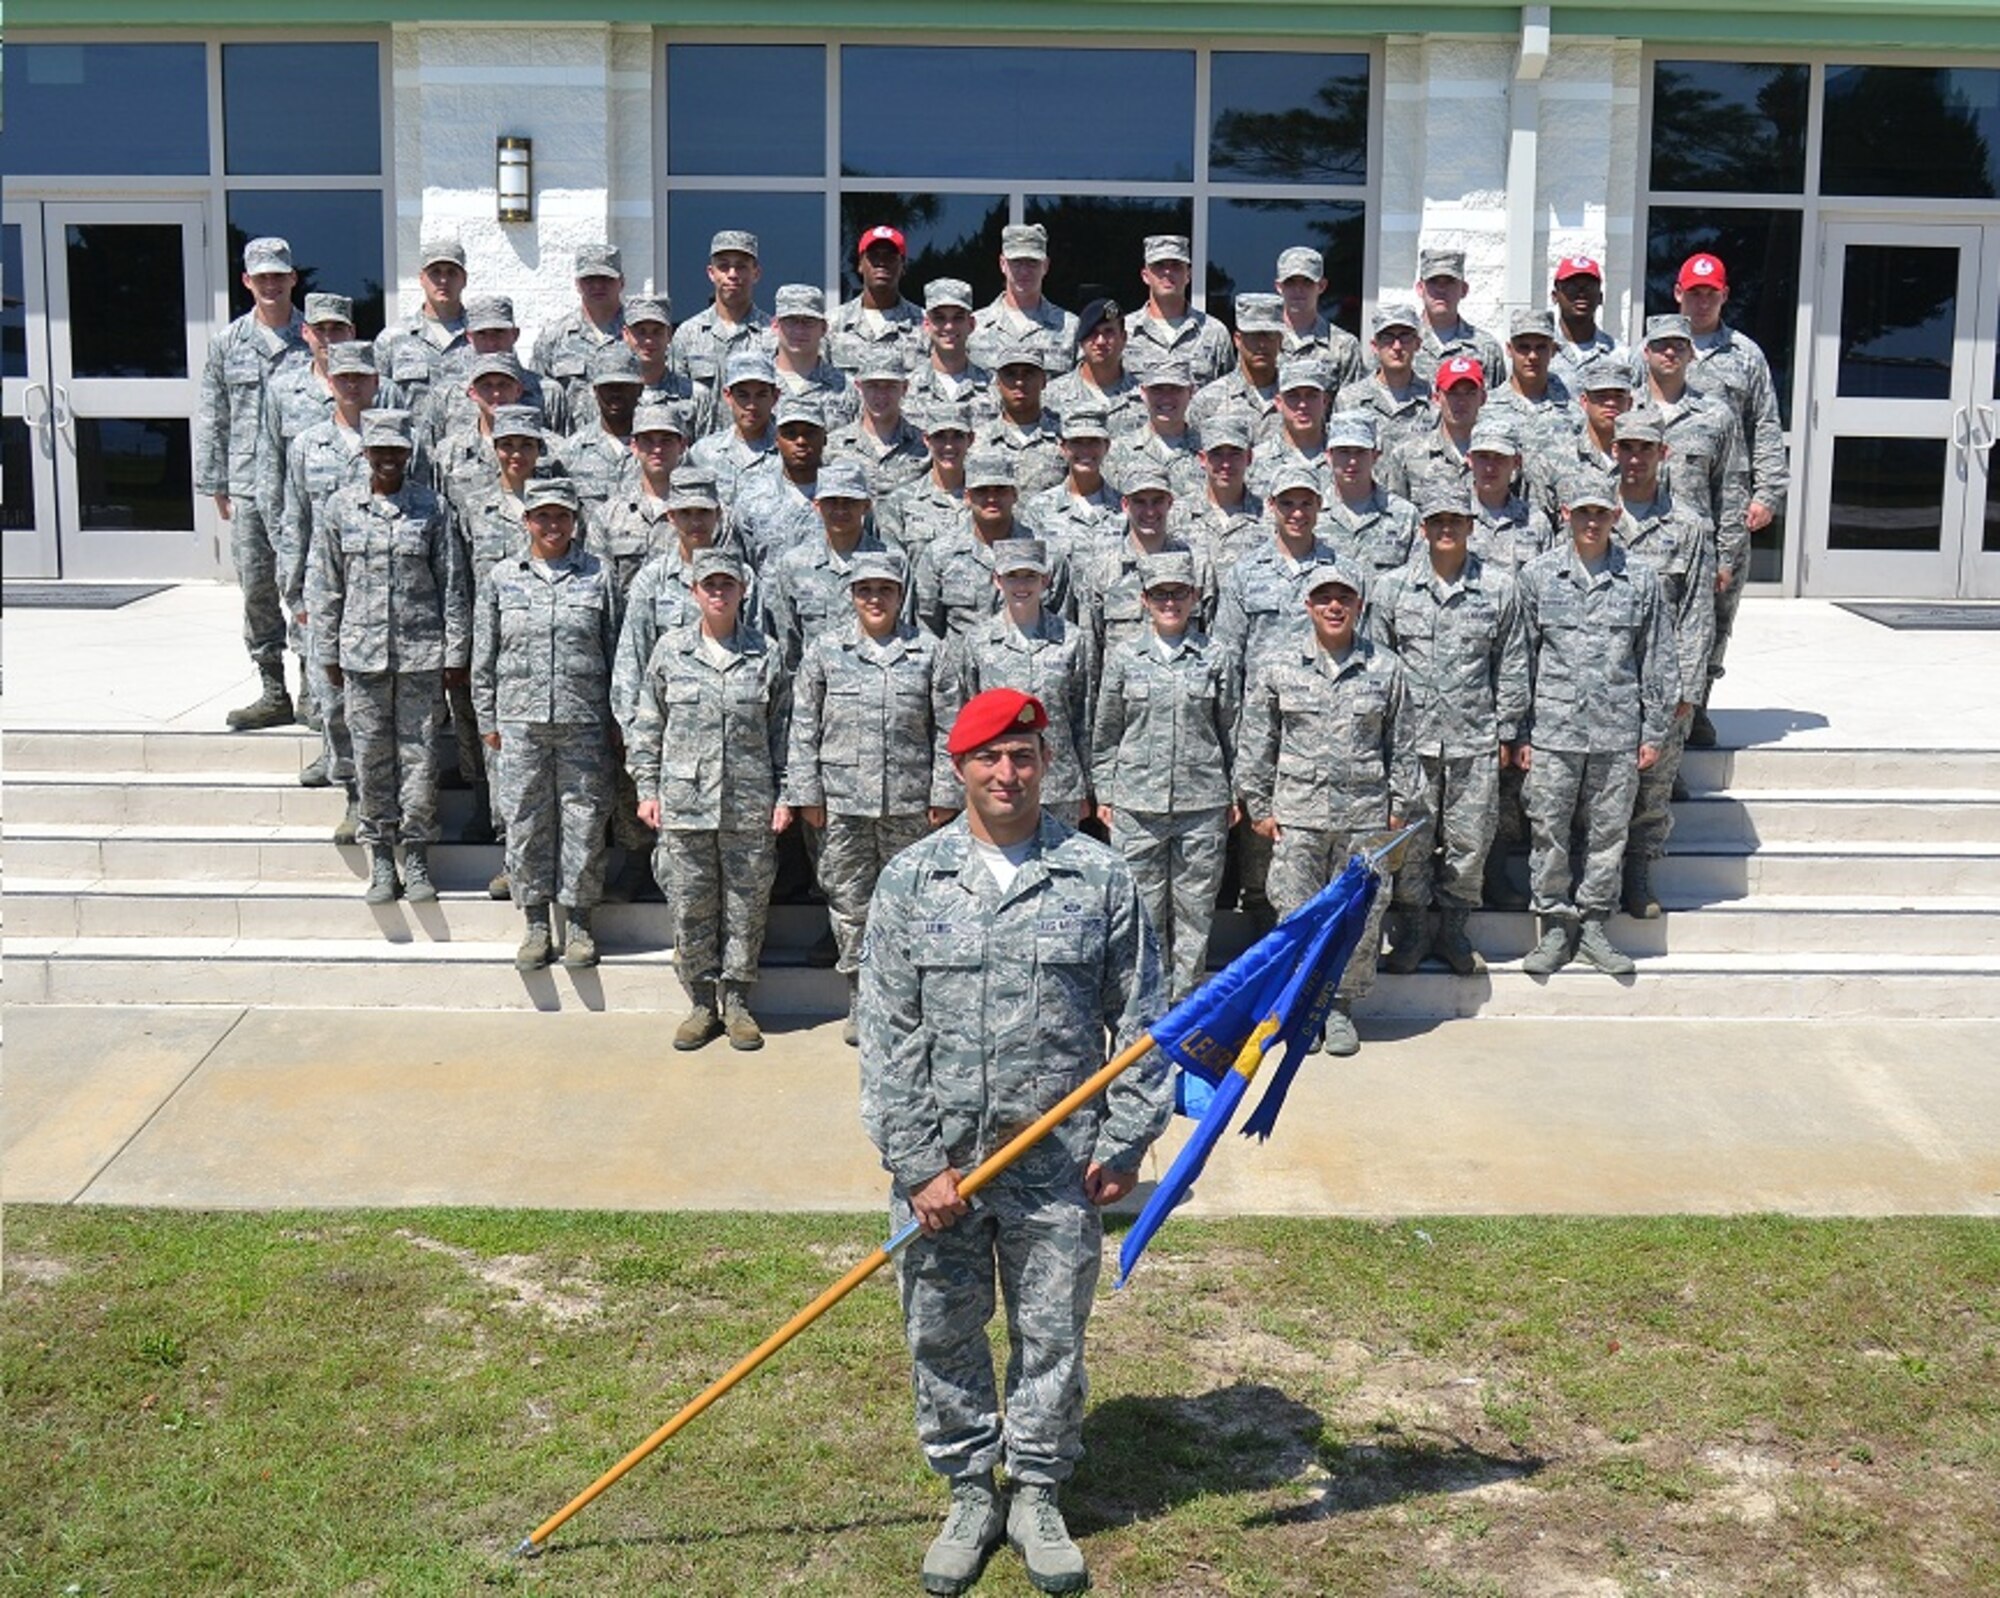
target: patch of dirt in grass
<point>35,1270</point>
<point>566,1302</point>
<point>842,1257</point>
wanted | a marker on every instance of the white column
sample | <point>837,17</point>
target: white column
<point>1588,183</point>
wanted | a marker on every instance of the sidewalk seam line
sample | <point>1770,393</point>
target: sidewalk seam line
<point>118,1153</point>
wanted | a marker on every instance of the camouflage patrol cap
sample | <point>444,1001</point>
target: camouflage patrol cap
<point>648,308</point>
<point>947,291</point>
<point>659,418</point>
<point>1085,421</point>
<point>1531,323</point>
<point>881,364</point>
<point>717,562</point>
<point>550,493</point>
<point>1303,371</point>
<point>447,250</point>
<point>1299,261</point>
<point>1260,313</point>
<point>1351,430</point>
<point>1393,313</point>
<point>1605,375</point>
<point>1493,435</point>
<point>495,363</point>
<point>693,489</point>
<point>1172,371</point>
<point>1440,263</point>
<point>1025,242</point>
<point>749,366</point>
<point>800,299</point>
<point>843,480</point>
<point>267,255</point>
<point>1443,495</point>
<point>878,566</point>
<point>1144,476</point>
<point>735,239</point>
<point>1643,424</point>
<point>1021,353</point>
<point>1659,329</point>
<point>994,714</point>
<point>1168,247</point>
<point>387,429</point>
<point>1338,572</point>
<point>947,416</point>
<point>350,358</point>
<point>485,313</point>
<point>598,259</point>
<point>796,408</point>
<point>1232,428</point>
<point>1588,486</point>
<point>1294,475</point>
<point>989,468</point>
<point>1012,555</point>
<point>518,421</point>
<point>329,308</point>
<point>1170,567</point>
<point>615,364</point>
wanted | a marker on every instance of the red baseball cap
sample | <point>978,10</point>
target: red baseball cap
<point>994,714</point>
<point>1702,271</point>
<point>1460,369</point>
<point>881,235</point>
<point>1578,266</point>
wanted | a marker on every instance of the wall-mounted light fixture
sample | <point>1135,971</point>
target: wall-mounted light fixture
<point>516,171</point>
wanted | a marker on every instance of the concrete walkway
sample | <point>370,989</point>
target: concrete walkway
<point>233,1108</point>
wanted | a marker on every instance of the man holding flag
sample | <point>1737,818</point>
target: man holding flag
<point>1002,950</point>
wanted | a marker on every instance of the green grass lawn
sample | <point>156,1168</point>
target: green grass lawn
<point>387,1403</point>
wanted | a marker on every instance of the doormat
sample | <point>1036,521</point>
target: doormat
<point>77,596</point>
<point>1932,616</point>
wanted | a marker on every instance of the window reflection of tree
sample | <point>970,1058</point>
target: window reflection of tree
<point>972,253</point>
<point>1760,249</point>
<point>1708,135</point>
<point>1911,131</point>
<point>1096,246</point>
<point>370,300</point>
<point>1326,142</point>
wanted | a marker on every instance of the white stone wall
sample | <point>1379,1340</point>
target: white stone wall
<point>1588,177</point>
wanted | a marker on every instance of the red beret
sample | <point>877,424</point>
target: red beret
<point>994,714</point>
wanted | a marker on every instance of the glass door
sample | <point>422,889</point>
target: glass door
<point>112,328</point>
<point>1904,413</point>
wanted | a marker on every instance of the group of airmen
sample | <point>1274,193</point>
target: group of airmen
<point>712,592</point>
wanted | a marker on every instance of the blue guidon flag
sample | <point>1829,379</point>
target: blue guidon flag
<point>1277,992</point>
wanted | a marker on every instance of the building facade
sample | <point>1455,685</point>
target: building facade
<point>1842,158</point>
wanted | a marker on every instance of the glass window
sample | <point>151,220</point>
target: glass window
<point>1912,131</point>
<point>1729,127</point>
<point>17,473</point>
<point>134,475</point>
<point>1070,115</point>
<point>791,240</point>
<point>1898,318</point>
<point>1246,236</point>
<point>949,235</point>
<point>1760,250</point>
<point>263,86</point>
<point>754,110</point>
<point>1288,117</point>
<point>131,277</point>
<point>1888,493</point>
<point>13,305</point>
<point>139,109</point>
<point>1096,246</point>
<point>336,239</point>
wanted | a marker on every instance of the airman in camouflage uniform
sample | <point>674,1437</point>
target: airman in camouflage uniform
<point>748,438</point>
<point>1225,521</point>
<point>1026,431</point>
<point>448,405</point>
<point>1456,625</point>
<point>430,350</point>
<point>1441,285</point>
<point>598,459</point>
<point>1301,282</point>
<point>987,992</point>
<point>1101,381</point>
<point>1294,435</point>
<point>462,466</point>
<point>1108,580</point>
<point>1083,511</point>
<point>708,756</point>
<point>1167,325</point>
<point>807,593</point>
<point>914,515</point>
<point>633,526</point>
<point>1538,405</point>
<point>1371,527</point>
<point>1021,315</point>
<point>1461,390</point>
<point>1679,544</point>
<point>545,635</point>
<point>951,583</point>
<point>1162,748</point>
<point>1166,441</point>
<point>1577,291</point>
<point>300,396</point>
<point>1398,395</point>
<point>1556,459</point>
<point>393,606</point>
<point>878,322</point>
<point>798,353</point>
<point>867,768</point>
<point>886,443</point>
<point>1326,756</point>
<point>731,325</point>
<point>773,509</point>
<point>1252,384</point>
<point>649,327</point>
<point>1604,689</point>
<point>947,375</point>
<point>565,347</point>
<point>228,433</point>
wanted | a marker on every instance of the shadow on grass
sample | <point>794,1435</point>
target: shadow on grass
<point>561,1543</point>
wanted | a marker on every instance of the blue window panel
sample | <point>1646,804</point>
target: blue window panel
<point>265,85</point>
<point>137,110</point>
<point>746,110</point>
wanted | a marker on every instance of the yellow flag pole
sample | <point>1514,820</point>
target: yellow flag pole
<point>968,1185</point>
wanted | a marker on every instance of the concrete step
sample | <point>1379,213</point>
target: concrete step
<point>1945,817</point>
<point>279,751</point>
<point>1796,767</point>
<point>302,972</point>
<point>143,909</point>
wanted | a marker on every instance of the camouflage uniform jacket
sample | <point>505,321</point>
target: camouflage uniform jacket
<point>662,599</point>
<point>1395,419</point>
<point>891,466</point>
<point>701,349</point>
<point>1432,454</point>
<point>915,514</point>
<point>1035,451</point>
<point>494,527</point>
<point>1507,537</point>
<point>1164,741</point>
<point>389,591</point>
<point>828,384</point>
<point>807,594</point>
<point>602,466</point>
<point>543,642</point>
<point>952,588</point>
<point>1107,588</point>
<point>1274,450</point>
<point>1232,392</point>
<point>1708,470</point>
<point>448,409</point>
<point>1340,349</point>
<point>672,389</point>
<point>1048,327</point>
<point>869,723</point>
<point>321,461</point>
<point>1123,403</point>
<point>1604,673</point>
<point>728,457</point>
<point>1733,368</point>
<point>464,468</point>
<point>632,529</point>
<point>709,741</point>
<point>1077,522</point>
<point>772,513</point>
<point>979,1008</point>
<point>1327,744</point>
<point>421,355</point>
<point>1464,339</point>
<point>297,398</point>
<point>1573,360</point>
<point>1464,651</point>
<point>1544,470</point>
<point>1261,601</point>
<point>1179,458</point>
<point>853,331</point>
<point>1197,336</point>
<point>229,422</point>
<point>1224,536</point>
<point>1053,659</point>
<point>1675,540</point>
<point>1553,419</point>
<point>564,347</point>
<point>929,386</point>
<point>1379,535</point>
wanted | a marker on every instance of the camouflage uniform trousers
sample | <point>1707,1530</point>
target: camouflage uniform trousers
<point>718,888</point>
<point>1726,602</point>
<point>1177,862</point>
<point>1035,1231</point>
<point>336,741</point>
<point>392,716</point>
<point>555,796</point>
<point>264,623</point>
<point>1571,792</point>
<point>1251,853</point>
<point>1652,811</point>
<point>477,761</point>
<point>852,851</point>
<point>1306,859</point>
<point>1461,795</point>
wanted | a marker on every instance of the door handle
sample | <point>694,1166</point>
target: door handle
<point>1961,428</point>
<point>41,421</point>
<point>60,413</point>
<point>1989,431</point>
